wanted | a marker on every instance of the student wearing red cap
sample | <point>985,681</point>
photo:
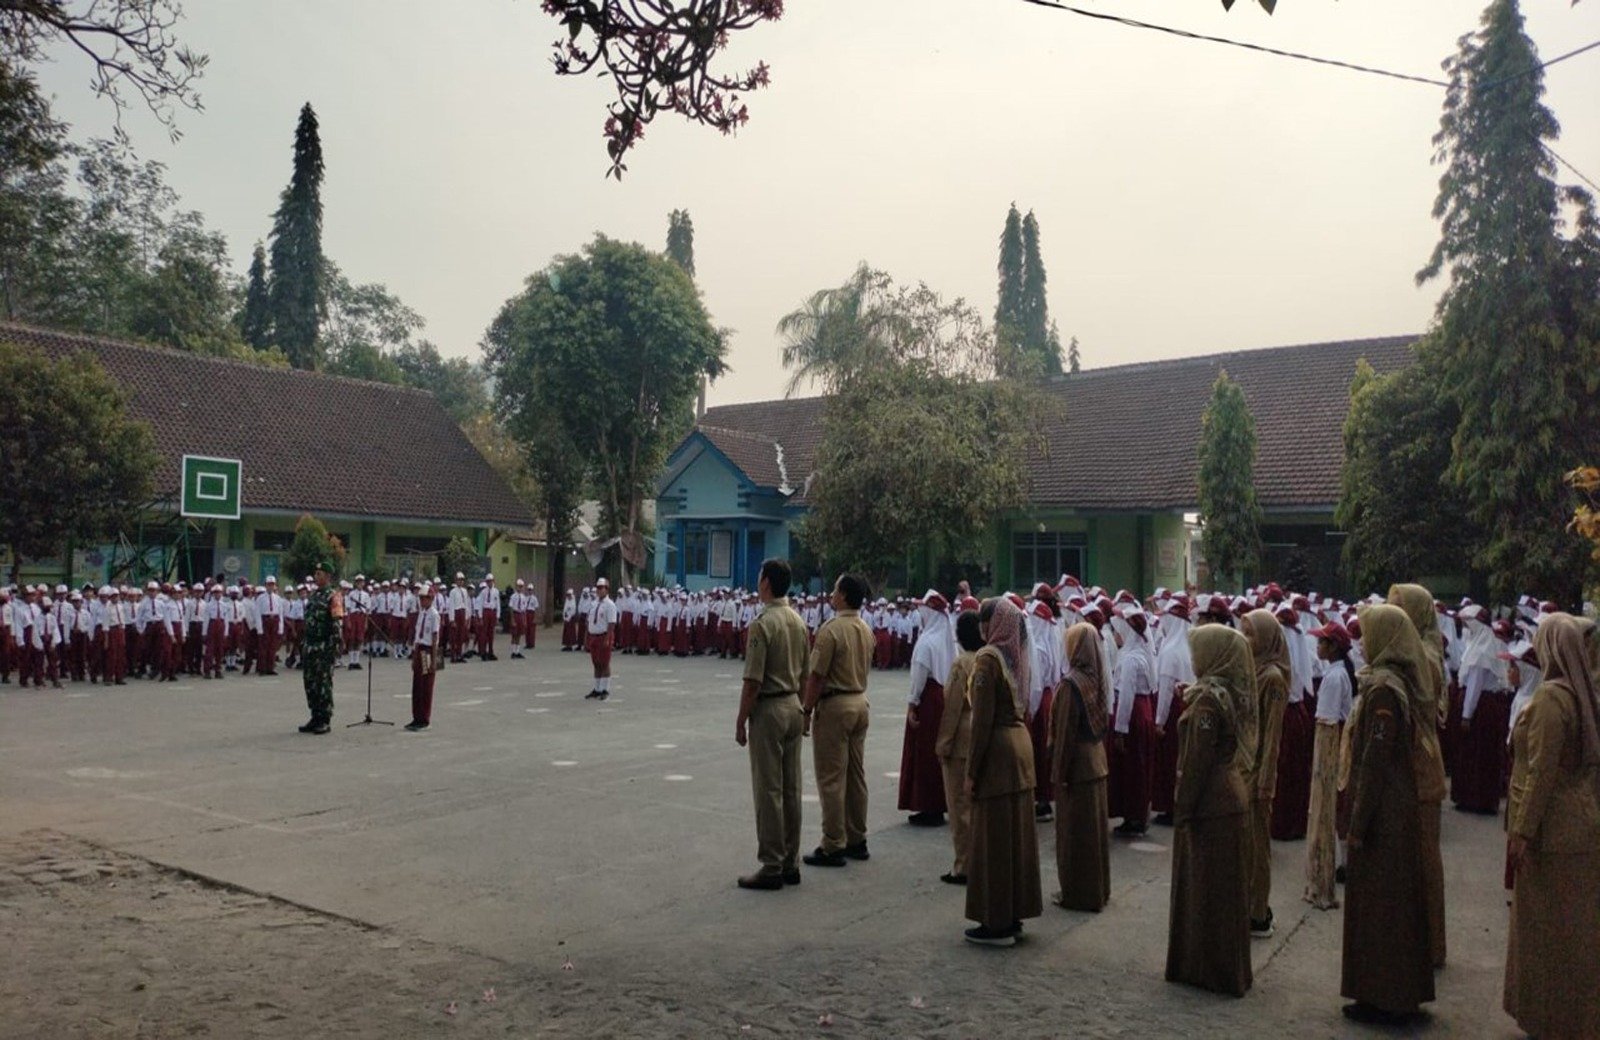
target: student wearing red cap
<point>1334,700</point>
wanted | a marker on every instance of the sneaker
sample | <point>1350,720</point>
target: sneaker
<point>856,852</point>
<point>791,877</point>
<point>605,695</point>
<point>926,819</point>
<point>981,936</point>
<point>818,858</point>
<point>1163,819</point>
<point>320,728</point>
<point>416,727</point>
<point>1044,812</point>
<point>1338,875</point>
<point>309,726</point>
<point>591,695</point>
<point>953,879</point>
<point>1130,830</point>
<point>1261,929</point>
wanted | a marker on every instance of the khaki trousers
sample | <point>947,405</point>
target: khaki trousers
<point>1260,858</point>
<point>960,809</point>
<point>774,735</point>
<point>838,746</point>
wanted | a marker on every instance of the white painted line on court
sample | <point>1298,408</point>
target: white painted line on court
<point>465,704</point>
<point>809,798</point>
<point>677,777</point>
<point>563,762</point>
<point>719,675</point>
<point>892,776</point>
<point>482,689</point>
<point>80,695</point>
<point>671,682</point>
<point>98,773</point>
<point>666,747</point>
<point>536,711</point>
<point>402,696</point>
<point>1146,846</point>
<point>552,693</point>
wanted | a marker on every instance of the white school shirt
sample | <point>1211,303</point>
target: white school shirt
<point>1134,679</point>
<point>427,631</point>
<point>459,599</point>
<point>602,616</point>
<point>1334,697</point>
<point>269,612</point>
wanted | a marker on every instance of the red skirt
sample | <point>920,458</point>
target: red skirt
<point>1291,803</point>
<point>1479,777</point>
<point>569,634</point>
<point>881,648</point>
<point>921,776</point>
<point>1039,732</point>
<point>1167,759</point>
<point>680,638</point>
<point>1133,769</point>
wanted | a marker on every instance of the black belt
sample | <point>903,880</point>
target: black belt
<point>838,693</point>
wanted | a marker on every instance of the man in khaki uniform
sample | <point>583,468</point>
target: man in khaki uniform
<point>771,724</point>
<point>837,713</point>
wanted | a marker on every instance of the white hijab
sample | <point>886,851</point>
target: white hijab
<point>1481,647</point>
<point>935,650</point>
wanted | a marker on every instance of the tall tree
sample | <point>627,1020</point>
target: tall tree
<point>1516,336</point>
<point>297,288</point>
<point>456,383</point>
<point>255,320</point>
<point>680,240</point>
<point>1074,360</point>
<point>1230,517</point>
<point>1035,307</point>
<point>36,212</point>
<point>1009,317</point>
<point>73,464</point>
<point>1402,515</point>
<point>611,342</point>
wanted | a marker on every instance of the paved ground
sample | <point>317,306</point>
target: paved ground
<point>175,860</point>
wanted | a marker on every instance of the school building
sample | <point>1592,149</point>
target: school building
<point>383,467</point>
<point>1113,488</point>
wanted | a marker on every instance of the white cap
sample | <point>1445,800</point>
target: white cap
<point>460,576</point>
<point>151,586</point>
<point>521,582</point>
<point>602,584</point>
<point>271,579</point>
<point>60,589</point>
<point>488,577</point>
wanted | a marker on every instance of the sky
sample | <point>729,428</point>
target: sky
<point>1192,198</point>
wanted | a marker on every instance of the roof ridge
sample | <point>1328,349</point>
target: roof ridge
<point>91,338</point>
<point>750,434</point>
<point>1139,366</point>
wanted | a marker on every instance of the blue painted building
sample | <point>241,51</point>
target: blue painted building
<point>725,503</point>
<point>1113,482</point>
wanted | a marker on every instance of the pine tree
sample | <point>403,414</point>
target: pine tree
<point>1230,534</point>
<point>1008,313</point>
<point>1035,316</point>
<point>1073,360</point>
<point>255,321</point>
<point>1516,337</point>
<point>297,263</point>
<point>680,240</point>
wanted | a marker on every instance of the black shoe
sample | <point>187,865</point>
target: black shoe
<point>819,858</point>
<point>591,695</point>
<point>1369,1015</point>
<point>926,819</point>
<point>1130,830</point>
<point>308,727</point>
<point>791,877</point>
<point>858,852</point>
<point>1338,875</point>
<point>1262,929</point>
<point>605,694</point>
<point>953,879</point>
<point>353,668</point>
<point>762,882</point>
<point>1044,812</point>
<point>416,727</point>
<point>981,936</point>
<point>1163,819</point>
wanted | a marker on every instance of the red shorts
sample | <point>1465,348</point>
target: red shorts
<point>600,651</point>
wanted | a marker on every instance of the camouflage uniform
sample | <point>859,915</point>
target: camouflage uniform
<point>319,647</point>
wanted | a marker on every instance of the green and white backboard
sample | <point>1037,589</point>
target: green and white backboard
<point>212,488</point>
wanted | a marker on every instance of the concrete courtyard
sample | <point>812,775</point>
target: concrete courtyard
<point>579,859</point>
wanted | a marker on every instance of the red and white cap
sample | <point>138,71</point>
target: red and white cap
<point>933,600</point>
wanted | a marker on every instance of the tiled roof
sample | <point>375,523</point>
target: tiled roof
<point>1126,437</point>
<point>313,442</point>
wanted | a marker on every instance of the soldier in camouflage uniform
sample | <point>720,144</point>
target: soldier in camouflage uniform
<point>319,647</point>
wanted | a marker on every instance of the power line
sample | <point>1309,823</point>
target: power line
<point>1057,5</point>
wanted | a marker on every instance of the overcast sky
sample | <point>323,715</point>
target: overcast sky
<point>1191,197</point>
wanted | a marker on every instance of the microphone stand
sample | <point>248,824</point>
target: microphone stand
<point>369,720</point>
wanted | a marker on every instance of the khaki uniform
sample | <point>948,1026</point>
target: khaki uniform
<point>842,657</point>
<point>776,660</point>
<point>955,744</point>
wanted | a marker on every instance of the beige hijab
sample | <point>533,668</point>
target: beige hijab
<point>1417,602</point>
<point>1267,645</point>
<point>1563,648</point>
<point>1086,662</point>
<point>1397,659</point>
<point>1225,671</point>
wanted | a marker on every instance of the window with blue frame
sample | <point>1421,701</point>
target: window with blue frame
<point>697,552</point>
